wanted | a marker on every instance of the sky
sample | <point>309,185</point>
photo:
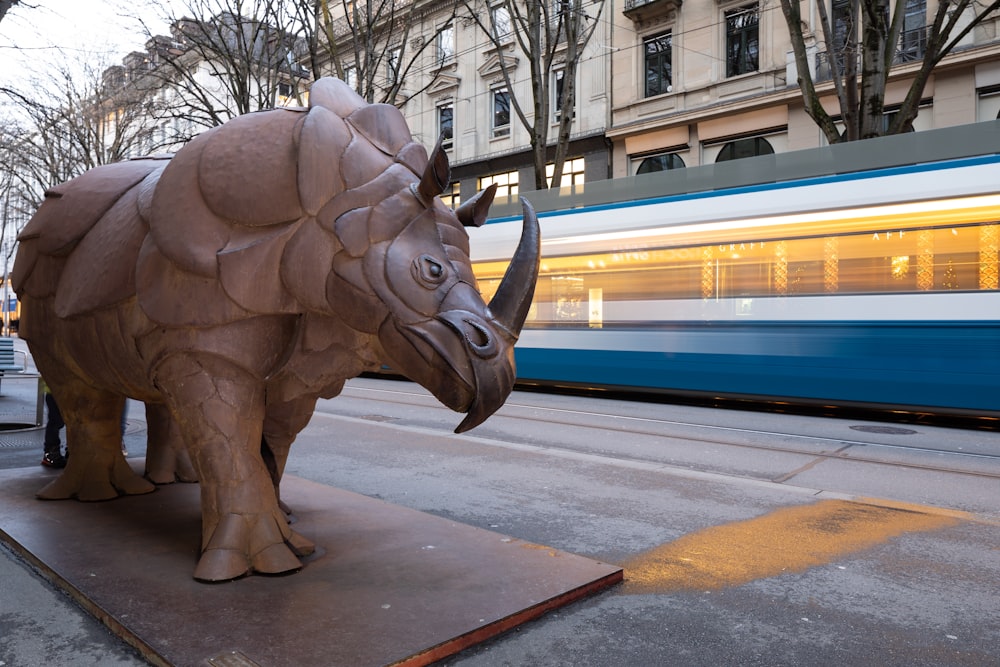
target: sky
<point>34,38</point>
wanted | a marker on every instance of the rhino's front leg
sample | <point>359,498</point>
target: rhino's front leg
<point>219,408</point>
<point>96,469</point>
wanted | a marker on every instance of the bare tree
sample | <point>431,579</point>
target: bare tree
<point>550,35</point>
<point>13,215</point>
<point>56,128</point>
<point>5,6</point>
<point>866,42</point>
<point>74,119</point>
<point>16,203</point>
<point>370,45</point>
<point>226,58</point>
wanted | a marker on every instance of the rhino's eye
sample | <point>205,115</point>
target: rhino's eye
<point>429,269</point>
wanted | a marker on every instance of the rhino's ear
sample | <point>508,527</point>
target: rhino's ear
<point>437,175</point>
<point>473,213</point>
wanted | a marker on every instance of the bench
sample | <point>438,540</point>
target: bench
<point>8,358</point>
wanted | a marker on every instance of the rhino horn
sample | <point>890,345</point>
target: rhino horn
<point>472,213</point>
<point>437,175</point>
<point>510,304</point>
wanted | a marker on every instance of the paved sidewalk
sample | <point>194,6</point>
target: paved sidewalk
<point>39,624</point>
<point>903,540</point>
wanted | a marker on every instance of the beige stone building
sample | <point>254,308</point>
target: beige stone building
<point>704,80</point>
<point>661,84</point>
<point>452,82</point>
<point>665,84</point>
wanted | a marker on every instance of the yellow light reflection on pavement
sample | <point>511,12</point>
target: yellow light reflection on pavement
<point>790,539</point>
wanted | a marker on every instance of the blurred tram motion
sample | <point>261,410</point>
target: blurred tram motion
<point>874,289</point>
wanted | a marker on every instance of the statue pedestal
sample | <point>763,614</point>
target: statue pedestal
<point>387,585</point>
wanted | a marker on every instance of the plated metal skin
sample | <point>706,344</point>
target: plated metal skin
<point>231,285</point>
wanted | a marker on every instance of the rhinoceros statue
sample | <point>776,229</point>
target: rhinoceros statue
<point>232,284</point>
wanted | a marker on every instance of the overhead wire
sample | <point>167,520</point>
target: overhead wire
<point>635,45</point>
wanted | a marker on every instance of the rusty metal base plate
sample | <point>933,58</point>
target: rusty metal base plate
<point>388,585</point>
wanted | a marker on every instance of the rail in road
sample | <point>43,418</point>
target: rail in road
<point>819,455</point>
<point>746,538</point>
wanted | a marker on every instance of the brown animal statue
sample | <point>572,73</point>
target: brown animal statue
<point>231,285</point>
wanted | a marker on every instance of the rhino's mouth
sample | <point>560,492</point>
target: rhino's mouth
<point>464,360</point>
<point>468,358</point>
<point>492,373</point>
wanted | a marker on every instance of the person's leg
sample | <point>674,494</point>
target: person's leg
<point>53,456</point>
<point>124,425</point>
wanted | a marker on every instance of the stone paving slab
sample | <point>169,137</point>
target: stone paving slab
<point>388,585</point>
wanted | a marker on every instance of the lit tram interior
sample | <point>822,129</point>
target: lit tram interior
<point>916,247</point>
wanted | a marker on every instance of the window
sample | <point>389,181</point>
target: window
<point>742,41</point>
<point>500,21</point>
<point>446,44</point>
<point>392,64</point>
<point>658,58</point>
<point>573,173</point>
<point>446,123</point>
<point>656,163</point>
<point>988,104</point>
<point>501,113</point>
<point>888,116</point>
<point>741,148</point>
<point>558,77</point>
<point>843,30</point>
<point>752,263</point>
<point>285,93</point>
<point>506,183</point>
<point>451,197</point>
<point>913,37</point>
<point>351,77</point>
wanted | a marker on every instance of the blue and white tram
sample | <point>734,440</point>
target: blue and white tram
<point>875,289</point>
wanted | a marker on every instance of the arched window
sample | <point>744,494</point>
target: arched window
<point>750,147</point>
<point>660,163</point>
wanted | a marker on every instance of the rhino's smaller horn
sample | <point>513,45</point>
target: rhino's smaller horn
<point>513,297</point>
<point>437,175</point>
<point>473,213</point>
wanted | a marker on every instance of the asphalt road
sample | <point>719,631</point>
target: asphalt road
<point>747,539</point>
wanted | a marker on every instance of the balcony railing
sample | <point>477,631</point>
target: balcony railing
<point>912,46</point>
<point>642,10</point>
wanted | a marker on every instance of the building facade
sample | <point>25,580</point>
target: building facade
<point>661,84</point>
<point>666,84</point>
<point>453,83</point>
<point>706,80</point>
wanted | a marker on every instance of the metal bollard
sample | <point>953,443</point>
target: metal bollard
<point>40,406</point>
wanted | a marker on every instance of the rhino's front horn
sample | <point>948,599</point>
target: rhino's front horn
<point>510,304</point>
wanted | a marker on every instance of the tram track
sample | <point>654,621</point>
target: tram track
<point>900,455</point>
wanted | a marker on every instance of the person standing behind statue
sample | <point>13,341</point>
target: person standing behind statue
<point>53,456</point>
<point>124,426</point>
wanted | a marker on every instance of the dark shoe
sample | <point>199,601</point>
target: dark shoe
<point>53,461</point>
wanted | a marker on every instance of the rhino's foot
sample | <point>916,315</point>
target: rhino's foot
<point>89,478</point>
<point>170,469</point>
<point>244,544</point>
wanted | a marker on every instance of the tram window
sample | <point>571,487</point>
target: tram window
<point>879,261</point>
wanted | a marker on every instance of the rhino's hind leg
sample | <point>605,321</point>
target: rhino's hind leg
<point>220,409</point>
<point>96,469</point>
<point>167,459</point>
<point>282,423</point>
